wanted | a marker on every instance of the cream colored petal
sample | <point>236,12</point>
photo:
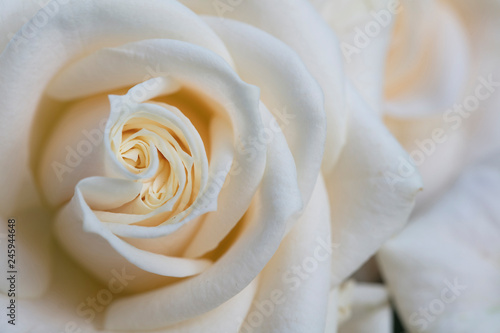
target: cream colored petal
<point>449,258</point>
<point>27,252</point>
<point>63,307</point>
<point>95,247</point>
<point>367,206</point>
<point>176,242</point>
<point>225,318</point>
<point>437,150</point>
<point>293,288</point>
<point>75,150</point>
<point>287,90</point>
<point>15,15</point>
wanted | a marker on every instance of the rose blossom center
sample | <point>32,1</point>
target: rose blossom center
<point>155,144</point>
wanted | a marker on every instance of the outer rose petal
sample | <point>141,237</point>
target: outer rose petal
<point>366,207</point>
<point>295,301</point>
<point>37,263</point>
<point>56,310</point>
<point>442,248</point>
<point>287,89</point>
<point>439,162</point>
<point>33,253</point>
<point>60,309</point>
<point>13,16</point>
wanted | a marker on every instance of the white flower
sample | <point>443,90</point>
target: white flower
<point>203,166</point>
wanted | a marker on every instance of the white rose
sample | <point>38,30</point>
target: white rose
<point>440,99</point>
<point>186,166</point>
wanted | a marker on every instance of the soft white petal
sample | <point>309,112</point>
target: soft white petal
<point>287,90</point>
<point>75,150</point>
<point>225,318</point>
<point>57,309</point>
<point>293,288</point>
<point>14,16</point>
<point>454,243</point>
<point>95,247</point>
<point>437,150</point>
<point>29,251</point>
<point>367,208</point>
